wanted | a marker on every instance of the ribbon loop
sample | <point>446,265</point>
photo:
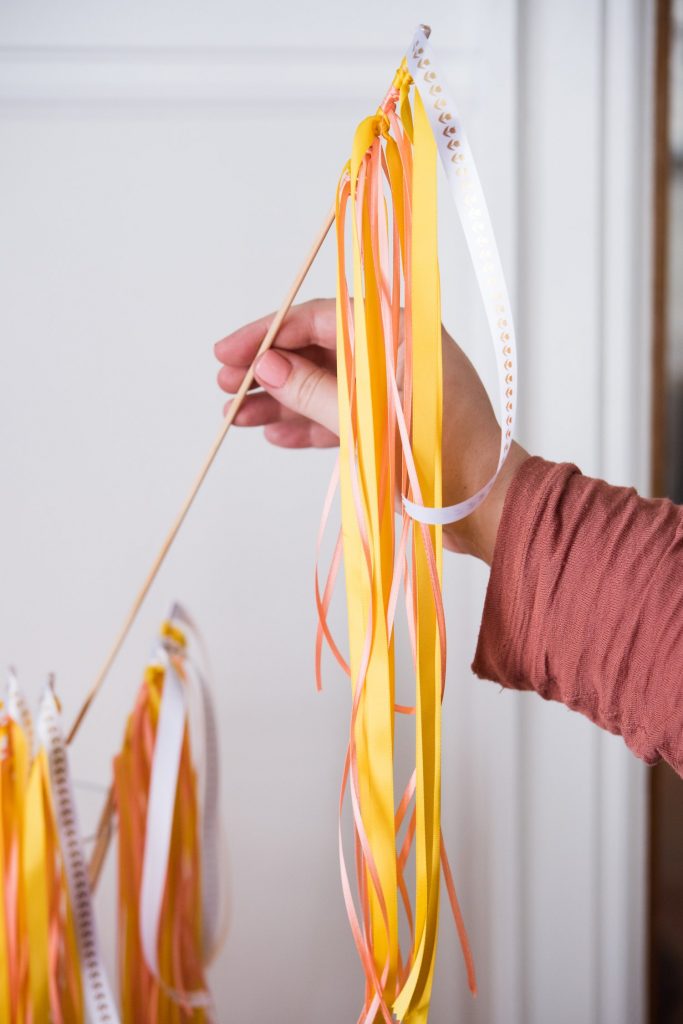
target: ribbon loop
<point>468,195</point>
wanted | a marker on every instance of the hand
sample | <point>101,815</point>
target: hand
<point>298,408</point>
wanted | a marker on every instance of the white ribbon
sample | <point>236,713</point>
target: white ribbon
<point>99,1001</point>
<point>468,195</point>
<point>18,709</point>
<point>160,807</point>
<point>173,716</point>
<point>205,743</point>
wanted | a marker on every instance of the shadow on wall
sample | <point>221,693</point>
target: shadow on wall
<point>667,897</point>
<point>674,468</point>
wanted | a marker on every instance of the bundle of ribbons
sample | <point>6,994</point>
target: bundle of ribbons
<point>50,963</point>
<point>167,798</point>
<point>389,352</point>
<point>389,368</point>
<point>170,896</point>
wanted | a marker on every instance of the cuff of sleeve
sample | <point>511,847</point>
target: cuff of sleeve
<point>501,653</point>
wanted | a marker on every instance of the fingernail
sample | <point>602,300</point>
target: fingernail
<point>273,369</point>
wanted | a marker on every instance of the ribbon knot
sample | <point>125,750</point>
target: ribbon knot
<point>402,79</point>
<point>381,123</point>
<point>171,633</point>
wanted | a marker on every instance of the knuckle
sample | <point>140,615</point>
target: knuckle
<point>307,386</point>
<point>312,317</point>
<point>319,310</point>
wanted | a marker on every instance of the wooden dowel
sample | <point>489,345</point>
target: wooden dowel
<point>103,835</point>
<point>105,827</point>
<point>268,340</point>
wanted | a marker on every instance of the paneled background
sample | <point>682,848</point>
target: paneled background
<point>164,169</point>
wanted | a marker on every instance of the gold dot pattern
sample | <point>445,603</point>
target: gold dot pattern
<point>461,171</point>
<point>96,987</point>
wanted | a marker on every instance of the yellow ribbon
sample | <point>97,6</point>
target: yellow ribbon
<point>36,867</point>
<point>413,1002</point>
<point>368,484</point>
<point>39,968</point>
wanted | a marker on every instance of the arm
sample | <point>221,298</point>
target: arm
<point>585,599</point>
<point>585,604</point>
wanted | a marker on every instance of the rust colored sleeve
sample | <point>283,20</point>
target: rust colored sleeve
<point>585,604</point>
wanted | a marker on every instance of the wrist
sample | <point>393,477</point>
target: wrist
<point>476,535</point>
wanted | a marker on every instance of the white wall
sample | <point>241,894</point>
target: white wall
<point>164,168</point>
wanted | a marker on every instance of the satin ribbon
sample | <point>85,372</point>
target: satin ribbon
<point>161,802</point>
<point>99,1002</point>
<point>40,976</point>
<point>13,779</point>
<point>18,710</point>
<point>206,750</point>
<point>176,916</point>
<point>468,195</point>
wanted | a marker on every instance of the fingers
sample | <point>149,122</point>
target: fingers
<point>300,434</point>
<point>300,386</point>
<point>259,409</point>
<point>283,427</point>
<point>231,375</point>
<point>309,323</point>
<point>298,407</point>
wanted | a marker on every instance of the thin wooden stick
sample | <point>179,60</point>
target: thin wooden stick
<point>105,825</point>
<point>268,340</point>
<point>103,835</point>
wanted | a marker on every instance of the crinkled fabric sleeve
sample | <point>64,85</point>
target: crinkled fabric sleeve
<point>585,604</point>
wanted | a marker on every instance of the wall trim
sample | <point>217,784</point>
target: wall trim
<point>625,458</point>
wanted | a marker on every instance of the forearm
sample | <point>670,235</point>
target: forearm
<point>585,604</point>
<point>476,535</point>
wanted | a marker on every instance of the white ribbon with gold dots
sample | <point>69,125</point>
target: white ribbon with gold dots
<point>99,1002</point>
<point>468,195</point>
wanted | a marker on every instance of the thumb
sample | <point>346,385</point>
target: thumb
<point>300,385</point>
